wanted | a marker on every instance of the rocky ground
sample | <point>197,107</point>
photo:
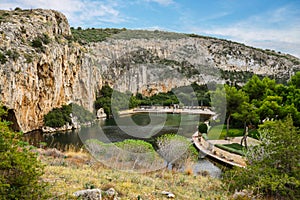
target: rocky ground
<point>69,173</point>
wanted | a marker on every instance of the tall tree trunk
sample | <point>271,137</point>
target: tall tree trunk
<point>244,139</point>
<point>227,126</point>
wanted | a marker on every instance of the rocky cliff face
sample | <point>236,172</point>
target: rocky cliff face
<point>43,68</point>
<point>163,61</point>
<point>40,69</point>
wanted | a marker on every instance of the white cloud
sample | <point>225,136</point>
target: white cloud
<point>162,2</point>
<point>78,12</point>
<point>279,30</point>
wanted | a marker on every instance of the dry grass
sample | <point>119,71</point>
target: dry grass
<point>77,171</point>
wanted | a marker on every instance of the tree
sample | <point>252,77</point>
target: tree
<point>273,166</point>
<point>255,88</point>
<point>20,171</point>
<point>218,102</point>
<point>248,115</point>
<point>234,99</point>
<point>175,149</point>
<point>202,127</point>
<point>228,100</point>
<point>295,80</point>
<point>270,107</point>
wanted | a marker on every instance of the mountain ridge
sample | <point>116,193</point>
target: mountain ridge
<point>44,66</point>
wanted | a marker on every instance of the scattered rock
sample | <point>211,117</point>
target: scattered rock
<point>89,194</point>
<point>66,127</point>
<point>111,194</point>
<point>168,194</point>
<point>242,194</point>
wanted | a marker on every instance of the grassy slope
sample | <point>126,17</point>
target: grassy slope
<point>78,171</point>
<point>219,132</point>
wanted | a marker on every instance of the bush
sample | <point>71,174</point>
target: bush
<point>39,41</point>
<point>12,54</point>
<point>176,149</point>
<point>59,117</point>
<point>130,154</point>
<point>273,167</point>
<point>20,171</point>
<point>18,9</point>
<point>202,128</point>
<point>3,58</point>
<point>93,35</point>
<point>135,146</point>
<point>82,114</point>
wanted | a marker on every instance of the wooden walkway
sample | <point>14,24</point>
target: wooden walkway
<point>168,110</point>
<point>209,149</point>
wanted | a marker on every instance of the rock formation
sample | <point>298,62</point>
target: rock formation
<point>160,63</point>
<point>42,67</point>
<point>41,70</point>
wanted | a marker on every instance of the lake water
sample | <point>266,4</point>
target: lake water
<point>144,126</point>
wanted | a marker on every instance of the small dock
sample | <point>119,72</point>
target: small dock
<point>207,148</point>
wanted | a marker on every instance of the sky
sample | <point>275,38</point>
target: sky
<point>267,24</point>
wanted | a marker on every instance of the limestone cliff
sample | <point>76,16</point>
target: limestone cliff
<point>40,69</point>
<point>150,62</point>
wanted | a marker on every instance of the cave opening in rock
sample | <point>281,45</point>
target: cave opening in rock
<point>11,116</point>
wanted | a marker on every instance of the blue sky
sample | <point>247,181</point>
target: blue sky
<point>272,24</point>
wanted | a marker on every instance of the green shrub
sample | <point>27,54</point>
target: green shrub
<point>12,54</point>
<point>59,117</point>
<point>5,14</point>
<point>82,114</point>
<point>176,149</point>
<point>39,42</point>
<point>273,166</point>
<point>18,9</point>
<point>45,39</point>
<point>28,58</point>
<point>202,128</point>
<point>20,171</point>
<point>3,58</point>
<point>135,146</point>
<point>93,35</point>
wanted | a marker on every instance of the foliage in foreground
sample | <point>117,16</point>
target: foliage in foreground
<point>20,170</point>
<point>274,168</point>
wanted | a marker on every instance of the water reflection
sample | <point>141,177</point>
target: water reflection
<point>108,130</point>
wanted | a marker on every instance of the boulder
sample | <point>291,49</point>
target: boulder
<point>89,194</point>
<point>101,113</point>
<point>111,192</point>
<point>168,194</point>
